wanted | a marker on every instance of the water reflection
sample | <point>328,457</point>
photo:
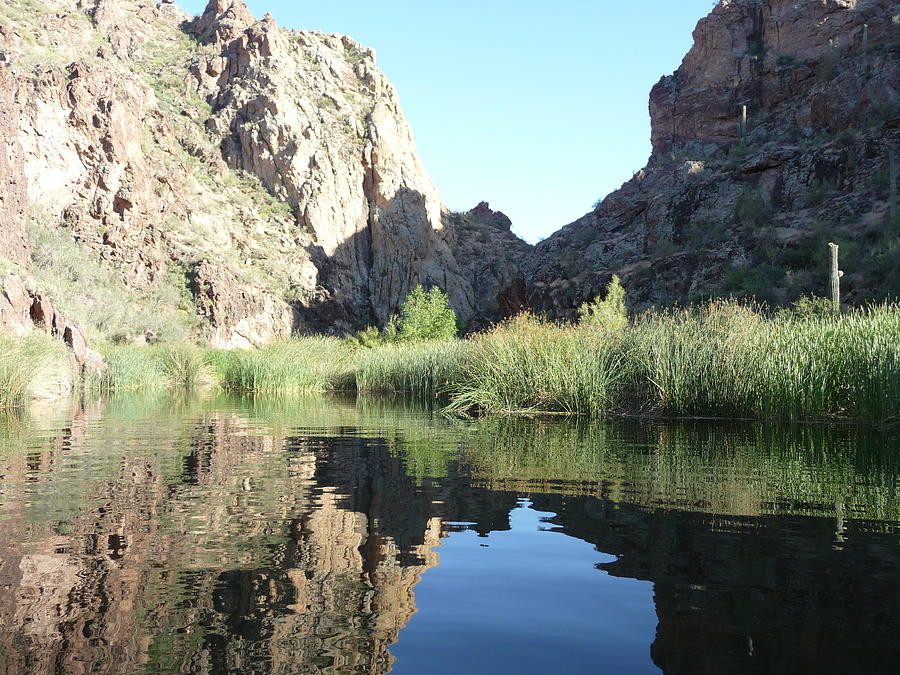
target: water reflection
<point>283,535</point>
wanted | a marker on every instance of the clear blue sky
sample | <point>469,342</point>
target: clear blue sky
<point>538,107</point>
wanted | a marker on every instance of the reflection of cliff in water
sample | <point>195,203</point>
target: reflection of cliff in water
<point>260,554</point>
<point>733,595</point>
<point>210,543</point>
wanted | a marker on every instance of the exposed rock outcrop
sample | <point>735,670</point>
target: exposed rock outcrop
<point>23,310</point>
<point>720,210</point>
<point>13,198</point>
<point>168,147</point>
<point>492,258</point>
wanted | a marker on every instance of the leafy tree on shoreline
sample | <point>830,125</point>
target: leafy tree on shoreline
<point>425,315</point>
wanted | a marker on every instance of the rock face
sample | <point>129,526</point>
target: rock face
<point>314,119</point>
<point>263,180</point>
<point>23,310</point>
<point>497,278</point>
<point>13,244</point>
<point>712,213</point>
<point>223,177</point>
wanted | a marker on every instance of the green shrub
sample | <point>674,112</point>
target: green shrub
<point>368,338</point>
<point>809,307</point>
<point>426,315</point>
<point>785,61</point>
<point>608,313</point>
<point>818,192</point>
<point>758,282</point>
<point>751,208</point>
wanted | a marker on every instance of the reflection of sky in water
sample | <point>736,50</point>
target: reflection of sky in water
<point>526,600</point>
<point>314,535</point>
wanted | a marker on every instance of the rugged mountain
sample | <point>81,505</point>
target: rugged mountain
<point>218,175</point>
<point>166,176</point>
<point>720,210</point>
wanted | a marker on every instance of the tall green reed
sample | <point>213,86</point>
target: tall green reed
<point>530,365</point>
<point>30,366</point>
<point>153,368</point>
<point>424,370</point>
<point>300,365</point>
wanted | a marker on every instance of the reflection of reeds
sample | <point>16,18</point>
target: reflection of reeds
<point>706,467</point>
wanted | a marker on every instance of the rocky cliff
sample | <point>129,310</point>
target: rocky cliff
<point>168,176</point>
<point>725,207</point>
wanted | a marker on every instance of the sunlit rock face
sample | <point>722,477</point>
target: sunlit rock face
<point>246,182</point>
<point>13,244</point>
<point>719,209</point>
<point>269,173</point>
<point>311,115</point>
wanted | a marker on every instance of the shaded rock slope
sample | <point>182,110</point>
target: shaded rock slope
<point>712,214</point>
<point>165,176</point>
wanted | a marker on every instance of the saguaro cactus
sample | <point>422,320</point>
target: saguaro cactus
<point>892,194</point>
<point>742,126</point>
<point>836,275</point>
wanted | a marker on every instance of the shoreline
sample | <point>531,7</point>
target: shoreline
<point>724,361</point>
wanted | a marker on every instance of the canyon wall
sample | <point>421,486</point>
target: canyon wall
<point>718,210</point>
<point>169,177</point>
<point>221,175</point>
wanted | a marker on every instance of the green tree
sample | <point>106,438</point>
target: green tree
<point>608,313</point>
<point>426,315</point>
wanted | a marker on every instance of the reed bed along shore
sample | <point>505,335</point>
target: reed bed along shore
<point>35,366</point>
<point>721,360</point>
<point>301,365</point>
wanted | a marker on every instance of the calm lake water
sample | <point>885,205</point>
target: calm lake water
<point>226,535</point>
